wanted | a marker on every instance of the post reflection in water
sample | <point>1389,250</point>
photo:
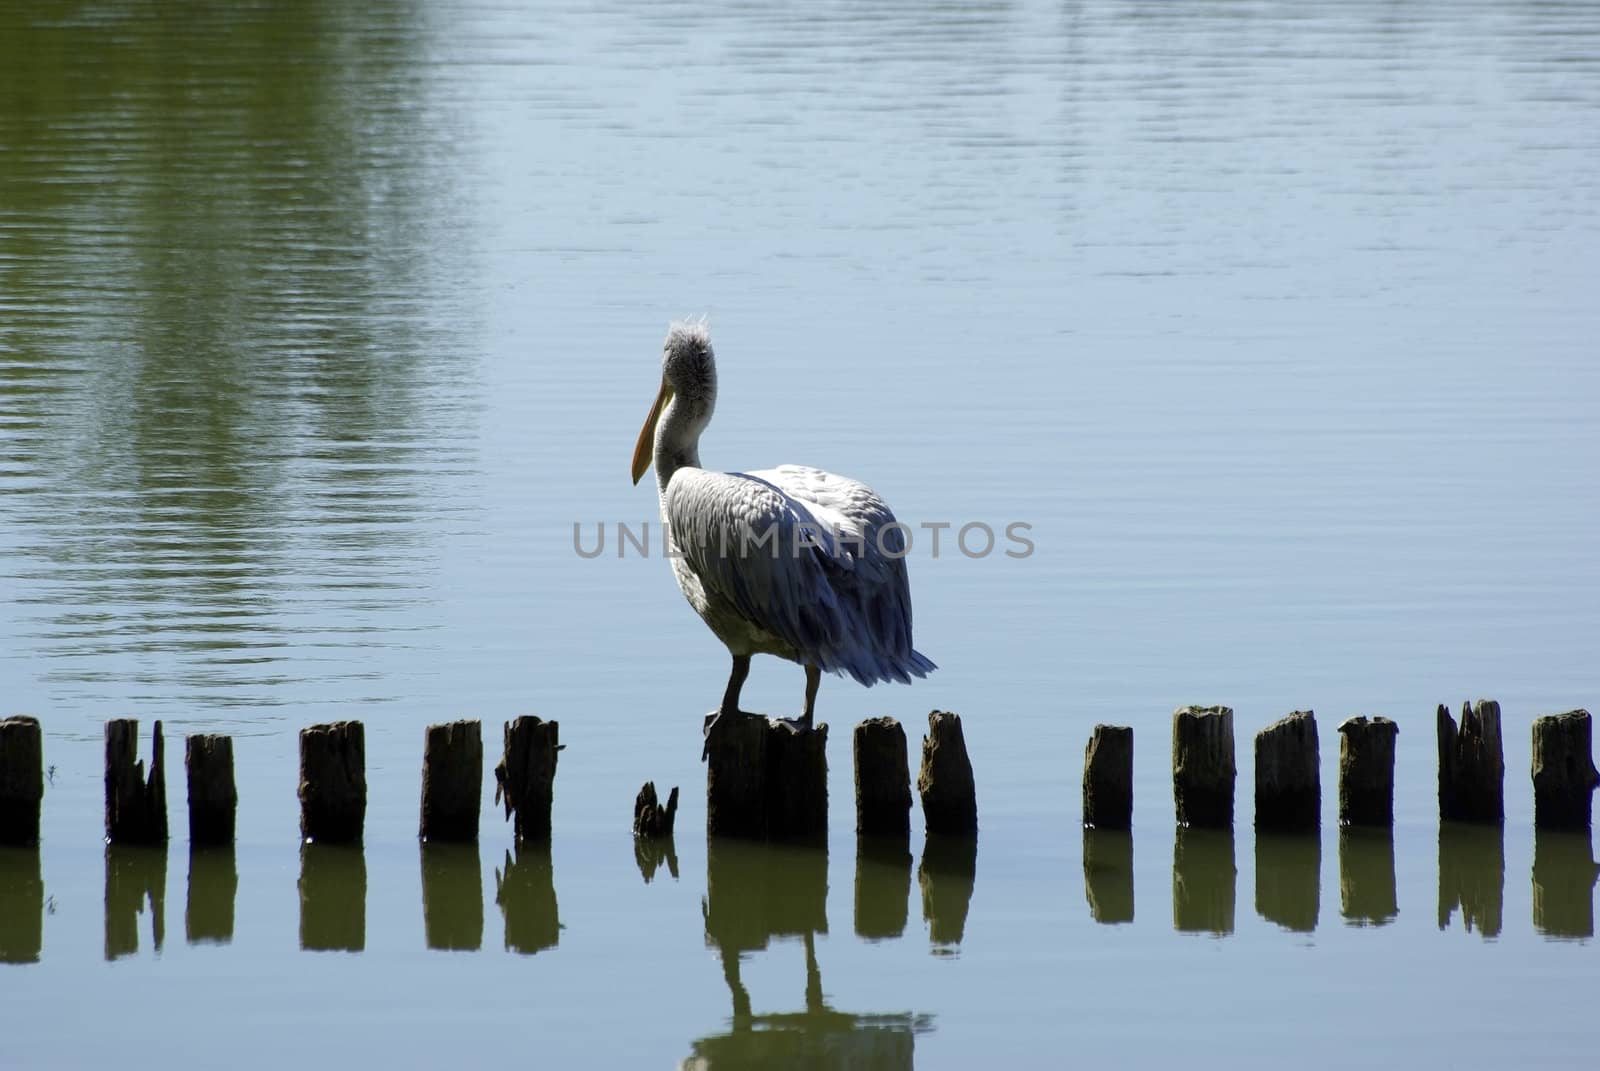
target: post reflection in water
<point>651,852</point>
<point>883,887</point>
<point>1564,873</point>
<point>1366,876</point>
<point>1472,875</point>
<point>1108,874</point>
<point>21,905</point>
<point>134,874</point>
<point>1289,879</point>
<point>333,898</point>
<point>1203,881</point>
<point>947,875</point>
<point>213,886</point>
<point>452,896</point>
<point>754,894</point>
<point>525,889</point>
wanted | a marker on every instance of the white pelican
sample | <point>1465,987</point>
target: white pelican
<point>791,561</point>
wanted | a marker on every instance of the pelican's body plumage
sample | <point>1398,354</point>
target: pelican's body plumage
<point>792,561</point>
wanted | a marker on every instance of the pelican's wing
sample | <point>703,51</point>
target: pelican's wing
<point>808,570</point>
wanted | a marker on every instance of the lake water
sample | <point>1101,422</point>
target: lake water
<point>323,325</point>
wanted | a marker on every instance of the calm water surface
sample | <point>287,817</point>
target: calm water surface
<point>323,325</point>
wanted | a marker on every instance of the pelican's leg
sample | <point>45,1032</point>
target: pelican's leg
<point>730,699</point>
<point>813,679</point>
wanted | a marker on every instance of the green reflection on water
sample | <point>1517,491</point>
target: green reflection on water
<point>218,360</point>
<point>1289,879</point>
<point>136,875</point>
<point>1203,881</point>
<point>452,896</point>
<point>1564,873</point>
<point>525,890</point>
<point>21,905</point>
<point>1366,876</point>
<point>1472,875</point>
<point>333,898</point>
<point>1108,874</point>
<point>758,893</point>
<point>213,888</point>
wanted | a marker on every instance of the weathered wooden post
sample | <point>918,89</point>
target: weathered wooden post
<point>1203,766</point>
<point>766,779</point>
<point>1564,776</point>
<point>333,783</point>
<point>883,779</point>
<point>1108,778</point>
<point>1204,880</point>
<point>1108,874</point>
<point>1472,768</point>
<point>213,798</point>
<point>21,779</point>
<point>452,782</point>
<point>525,776</point>
<point>1366,771</point>
<point>650,818</point>
<point>949,799</point>
<point>136,807</point>
<point>1288,775</point>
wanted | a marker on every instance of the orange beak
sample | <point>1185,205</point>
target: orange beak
<point>644,450</point>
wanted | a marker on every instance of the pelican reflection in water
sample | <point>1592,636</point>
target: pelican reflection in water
<point>791,561</point>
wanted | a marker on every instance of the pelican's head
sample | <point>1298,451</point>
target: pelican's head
<point>689,383</point>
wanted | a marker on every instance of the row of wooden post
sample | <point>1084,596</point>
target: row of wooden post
<point>333,782</point>
<point>1288,780</point>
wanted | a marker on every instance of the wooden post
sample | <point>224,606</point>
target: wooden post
<point>452,782</point>
<point>1108,778</point>
<point>883,779</point>
<point>949,799</point>
<point>650,819</point>
<point>766,779</point>
<point>1108,874</point>
<point>213,799</point>
<point>1366,771</point>
<point>1203,766</point>
<point>1288,775</point>
<point>1472,769</point>
<point>524,778</point>
<point>136,807</point>
<point>333,783</point>
<point>21,780</point>
<point>1564,776</point>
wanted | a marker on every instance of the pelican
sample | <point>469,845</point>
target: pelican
<point>792,561</point>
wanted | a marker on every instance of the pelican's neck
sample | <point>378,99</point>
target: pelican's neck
<point>678,437</point>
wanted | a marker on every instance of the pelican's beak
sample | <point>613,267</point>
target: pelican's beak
<point>645,448</point>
